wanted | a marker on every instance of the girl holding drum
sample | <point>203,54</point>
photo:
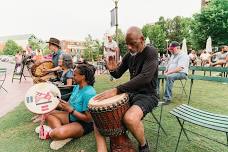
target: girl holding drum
<point>75,121</point>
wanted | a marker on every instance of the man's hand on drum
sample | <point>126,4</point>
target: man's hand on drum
<point>46,70</point>
<point>111,63</point>
<point>106,94</point>
<point>65,105</point>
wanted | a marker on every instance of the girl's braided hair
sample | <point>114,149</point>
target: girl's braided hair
<point>88,70</point>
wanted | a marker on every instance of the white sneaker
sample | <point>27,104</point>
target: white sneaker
<point>57,144</point>
<point>46,129</point>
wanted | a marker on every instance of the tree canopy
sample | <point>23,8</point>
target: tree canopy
<point>11,48</point>
<point>93,48</point>
<point>121,42</point>
<point>212,21</point>
<point>175,29</point>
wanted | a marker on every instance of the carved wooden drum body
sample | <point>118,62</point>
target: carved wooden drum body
<point>108,117</point>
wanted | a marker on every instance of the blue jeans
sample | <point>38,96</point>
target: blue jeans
<point>169,83</point>
<point>158,87</point>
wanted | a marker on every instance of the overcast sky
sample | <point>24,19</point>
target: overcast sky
<point>75,19</point>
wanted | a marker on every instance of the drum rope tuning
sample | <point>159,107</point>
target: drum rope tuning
<point>108,115</point>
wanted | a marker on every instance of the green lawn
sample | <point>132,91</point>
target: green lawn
<point>17,130</point>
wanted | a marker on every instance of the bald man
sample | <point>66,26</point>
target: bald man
<point>142,63</point>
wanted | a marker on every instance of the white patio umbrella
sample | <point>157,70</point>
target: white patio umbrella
<point>147,42</point>
<point>209,45</point>
<point>184,46</point>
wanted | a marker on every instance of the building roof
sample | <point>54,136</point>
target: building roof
<point>17,37</point>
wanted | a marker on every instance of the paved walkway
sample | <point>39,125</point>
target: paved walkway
<point>16,90</point>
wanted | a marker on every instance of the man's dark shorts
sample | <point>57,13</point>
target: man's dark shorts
<point>145,102</point>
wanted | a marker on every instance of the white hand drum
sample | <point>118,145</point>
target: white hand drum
<point>42,98</point>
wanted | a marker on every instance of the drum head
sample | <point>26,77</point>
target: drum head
<point>37,69</point>
<point>42,98</point>
<point>109,101</point>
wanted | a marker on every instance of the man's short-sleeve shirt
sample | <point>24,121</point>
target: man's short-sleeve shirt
<point>110,45</point>
<point>221,56</point>
<point>179,60</point>
<point>57,58</point>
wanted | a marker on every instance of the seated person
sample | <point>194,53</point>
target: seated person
<point>221,57</point>
<point>67,66</point>
<point>141,61</point>
<point>18,59</point>
<point>193,57</point>
<point>226,48</point>
<point>177,69</point>
<point>204,57</point>
<point>75,121</point>
<point>65,84</point>
<point>54,46</point>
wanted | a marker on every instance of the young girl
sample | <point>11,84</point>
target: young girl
<point>75,121</point>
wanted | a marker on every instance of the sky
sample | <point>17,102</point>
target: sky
<point>75,19</point>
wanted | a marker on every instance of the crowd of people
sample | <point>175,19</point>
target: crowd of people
<point>72,118</point>
<point>203,58</point>
<point>178,63</point>
<point>212,58</point>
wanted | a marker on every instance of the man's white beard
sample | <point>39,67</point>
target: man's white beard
<point>133,54</point>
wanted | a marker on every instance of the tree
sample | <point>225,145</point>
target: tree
<point>122,44</point>
<point>46,51</point>
<point>175,29</point>
<point>212,21</point>
<point>156,34</point>
<point>88,48</point>
<point>34,45</point>
<point>178,28</point>
<point>92,48</point>
<point>97,49</point>
<point>11,48</point>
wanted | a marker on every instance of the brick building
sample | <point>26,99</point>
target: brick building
<point>75,48</point>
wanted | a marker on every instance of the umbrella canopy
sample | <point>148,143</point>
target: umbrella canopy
<point>147,42</point>
<point>209,45</point>
<point>184,46</point>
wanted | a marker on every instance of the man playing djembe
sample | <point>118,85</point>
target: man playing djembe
<point>142,63</point>
<point>54,45</point>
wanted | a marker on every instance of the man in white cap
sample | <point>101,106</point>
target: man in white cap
<point>110,48</point>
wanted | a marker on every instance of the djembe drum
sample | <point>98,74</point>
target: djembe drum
<point>108,115</point>
<point>37,71</point>
<point>41,99</point>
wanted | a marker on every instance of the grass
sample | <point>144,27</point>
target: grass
<point>17,130</point>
